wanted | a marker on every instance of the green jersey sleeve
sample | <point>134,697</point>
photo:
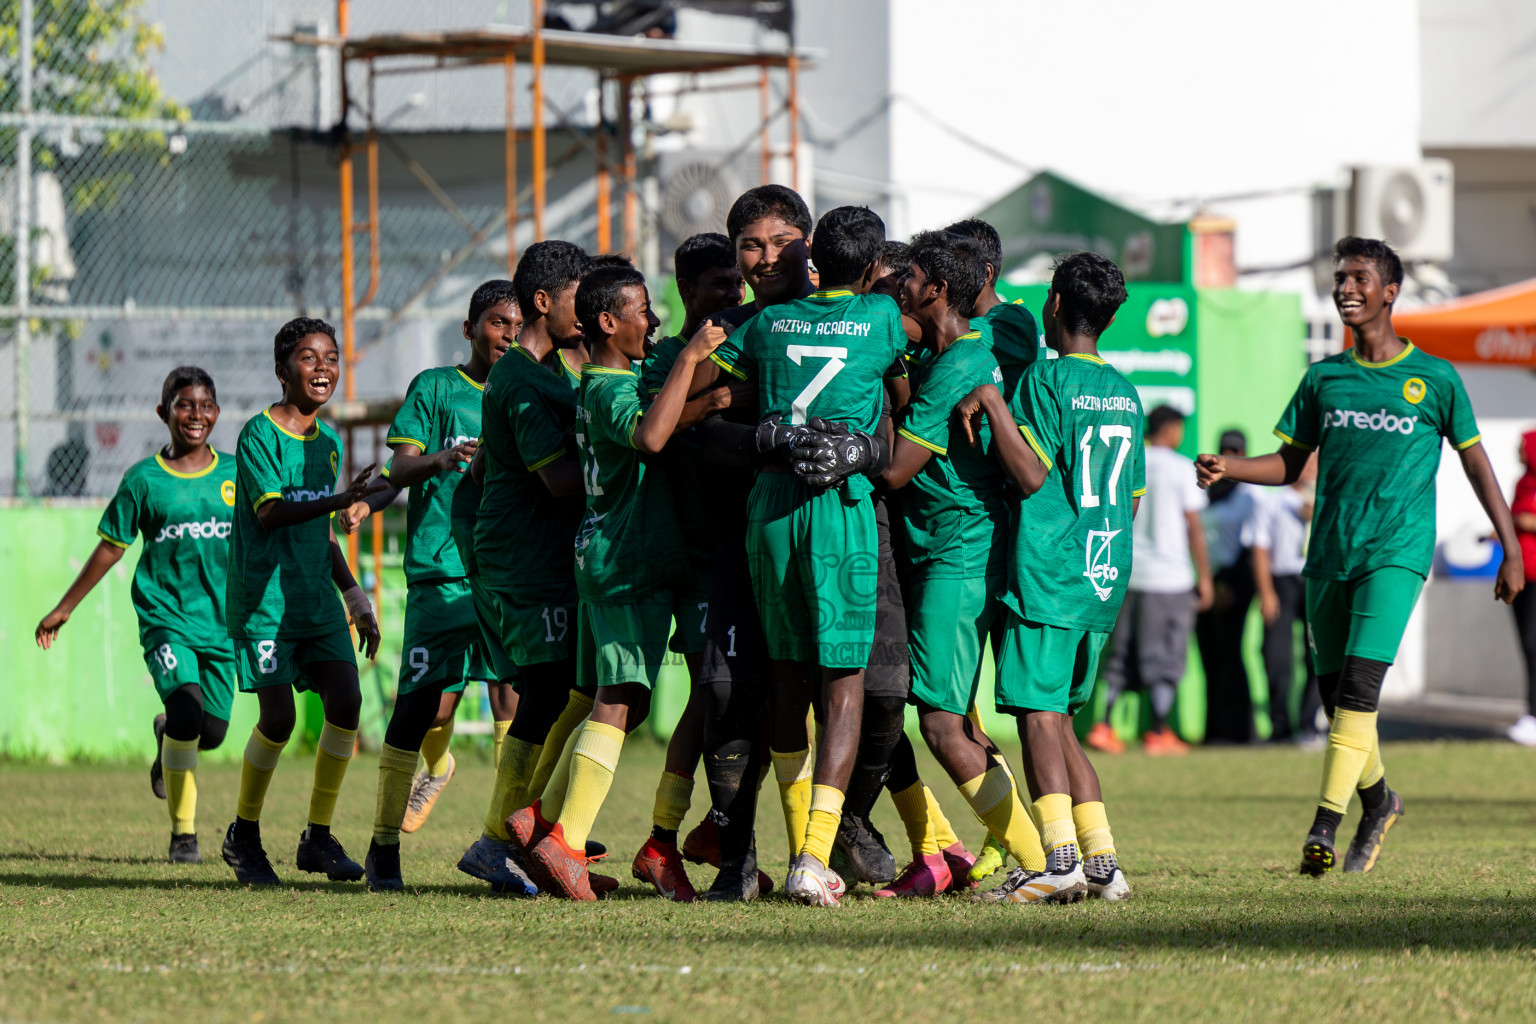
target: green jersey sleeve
<point>1458,424</point>
<point>1036,409</point>
<point>259,467</point>
<point>618,413</point>
<point>735,355</point>
<point>1301,423</point>
<point>1139,468</point>
<point>414,423</point>
<point>120,522</point>
<point>538,428</point>
<point>929,415</point>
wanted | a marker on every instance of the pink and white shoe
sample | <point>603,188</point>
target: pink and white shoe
<point>929,875</point>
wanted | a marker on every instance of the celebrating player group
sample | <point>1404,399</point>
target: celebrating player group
<point>829,500</point>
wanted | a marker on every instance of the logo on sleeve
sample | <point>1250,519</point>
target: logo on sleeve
<point>227,492</point>
<point>333,464</point>
<point>1099,558</point>
<point>1414,390</point>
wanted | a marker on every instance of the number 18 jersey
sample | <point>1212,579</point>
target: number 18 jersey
<point>1071,557</point>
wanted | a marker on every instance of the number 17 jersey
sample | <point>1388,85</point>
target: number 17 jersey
<point>1071,557</point>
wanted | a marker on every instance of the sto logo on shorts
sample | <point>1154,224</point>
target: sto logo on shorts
<point>1100,569</point>
<point>1414,390</point>
<point>227,492</point>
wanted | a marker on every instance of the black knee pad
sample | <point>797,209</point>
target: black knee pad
<point>1360,683</point>
<point>214,731</point>
<point>184,713</point>
<point>1328,692</point>
<point>903,766</point>
<point>412,717</point>
<point>543,691</point>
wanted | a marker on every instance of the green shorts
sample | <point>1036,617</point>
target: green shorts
<point>626,643</point>
<point>1046,668</point>
<point>534,626</point>
<point>441,647</point>
<point>500,667</point>
<point>174,664</point>
<point>815,571</point>
<point>689,611</point>
<point>282,662</point>
<point>1363,617</point>
<point>948,621</point>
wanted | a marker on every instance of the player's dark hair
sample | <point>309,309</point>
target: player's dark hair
<point>492,293</point>
<point>846,241</point>
<point>1388,264</point>
<point>702,252</point>
<point>767,201</point>
<point>955,260</point>
<point>1161,417</point>
<point>1091,289</point>
<point>294,331</point>
<point>986,239</point>
<point>186,377</point>
<point>895,255</point>
<point>609,259</point>
<point>602,291</point>
<point>547,267</point>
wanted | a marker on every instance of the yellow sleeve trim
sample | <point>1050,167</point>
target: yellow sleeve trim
<point>269,496</point>
<point>727,367</point>
<point>1292,441</point>
<point>904,432</point>
<point>114,541</point>
<point>633,426</point>
<point>406,440</point>
<point>1044,458</point>
<point>546,460</point>
<point>1137,494</point>
<point>1463,446</point>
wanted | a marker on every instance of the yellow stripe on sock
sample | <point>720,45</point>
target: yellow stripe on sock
<point>498,737</point>
<point>261,756</point>
<point>396,769</point>
<point>434,749</point>
<point>1053,813</point>
<point>332,755</point>
<point>1093,828</point>
<point>594,759</point>
<point>995,799</point>
<point>178,760</point>
<point>912,804</point>
<point>510,791</point>
<point>1350,741</point>
<point>821,823</point>
<point>673,795</point>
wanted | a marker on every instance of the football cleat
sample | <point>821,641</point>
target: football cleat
<point>425,789</point>
<point>157,770</point>
<point>702,846</point>
<point>929,875</point>
<point>381,868</point>
<point>739,881</point>
<point>661,865</point>
<point>322,855</point>
<point>859,852</point>
<point>992,859</point>
<point>1023,886</point>
<point>1102,738</point>
<point>184,849</point>
<point>960,862</point>
<point>565,867</point>
<point>497,861</point>
<point>1366,847</point>
<point>1317,856</point>
<point>1163,743</point>
<point>1105,879</point>
<point>812,883</point>
<point>526,827</point>
<point>248,859</point>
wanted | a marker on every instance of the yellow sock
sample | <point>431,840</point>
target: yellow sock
<point>673,795</point>
<point>1053,813</point>
<point>178,759</point>
<point>396,768</point>
<point>1350,741</point>
<point>510,791</point>
<point>793,770</point>
<point>577,707</point>
<point>261,756</point>
<point>1092,826</point>
<point>912,804</point>
<point>995,799</point>
<point>434,749</point>
<point>943,835</point>
<point>552,797</point>
<point>498,737</point>
<point>332,755</point>
<point>1374,770</point>
<point>594,759</point>
<point>821,823</point>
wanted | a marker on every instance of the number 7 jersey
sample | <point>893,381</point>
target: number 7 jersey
<point>1071,557</point>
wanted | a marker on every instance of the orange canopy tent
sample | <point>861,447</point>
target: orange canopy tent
<point>1495,327</point>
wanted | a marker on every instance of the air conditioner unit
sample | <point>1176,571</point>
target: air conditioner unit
<point>1409,206</point>
<point>698,186</point>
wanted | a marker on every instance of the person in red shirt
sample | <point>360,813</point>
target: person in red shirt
<point>1523,508</point>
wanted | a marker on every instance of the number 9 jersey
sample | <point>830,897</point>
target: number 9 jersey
<point>1071,556</point>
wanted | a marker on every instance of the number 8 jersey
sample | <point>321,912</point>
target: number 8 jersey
<point>1071,557</point>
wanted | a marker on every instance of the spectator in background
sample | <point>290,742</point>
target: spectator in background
<point>1279,553</point>
<point>1228,522</point>
<point>1151,638</point>
<point>1523,508</point>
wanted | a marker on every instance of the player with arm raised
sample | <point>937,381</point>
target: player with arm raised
<point>1376,415</point>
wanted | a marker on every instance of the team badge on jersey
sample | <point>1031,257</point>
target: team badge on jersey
<point>333,463</point>
<point>227,492</point>
<point>1100,569</point>
<point>1414,390</point>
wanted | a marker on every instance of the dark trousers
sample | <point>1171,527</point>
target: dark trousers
<point>1228,705</point>
<point>1525,624</point>
<point>1280,661</point>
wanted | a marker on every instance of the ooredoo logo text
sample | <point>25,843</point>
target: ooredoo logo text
<point>1379,420</point>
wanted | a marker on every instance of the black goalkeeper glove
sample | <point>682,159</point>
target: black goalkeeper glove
<point>775,438</point>
<point>835,453</point>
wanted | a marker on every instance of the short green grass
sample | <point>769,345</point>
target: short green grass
<point>95,927</point>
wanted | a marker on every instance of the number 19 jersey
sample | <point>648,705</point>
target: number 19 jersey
<point>1071,557</point>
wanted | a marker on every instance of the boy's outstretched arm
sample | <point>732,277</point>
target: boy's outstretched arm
<point>658,425</point>
<point>1019,460</point>
<point>1273,470</point>
<point>102,559</point>
<point>1511,578</point>
<point>278,513</point>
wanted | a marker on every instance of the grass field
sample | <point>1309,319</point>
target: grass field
<point>95,927</point>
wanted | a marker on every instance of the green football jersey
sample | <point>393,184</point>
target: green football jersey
<point>1377,429</point>
<point>954,515</point>
<point>825,355</point>
<point>1071,556</point>
<point>1015,340</point>
<point>523,533</point>
<point>280,580</point>
<point>629,545</point>
<point>441,410</point>
<point>682,461</point>
<point>184,518</point>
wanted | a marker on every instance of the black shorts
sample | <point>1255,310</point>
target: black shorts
<point>735,649</point>
<point>890,668</point>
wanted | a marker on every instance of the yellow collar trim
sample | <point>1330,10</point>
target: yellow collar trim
<point>968,337</point>
<point>190,476</point>
<point>574,370</point>
<point>836,293</point>
<point>267,412</point>
<point>1085,356</point>
<point>1395,359</point>
<point>469,380</point>
<point>595,368</point>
